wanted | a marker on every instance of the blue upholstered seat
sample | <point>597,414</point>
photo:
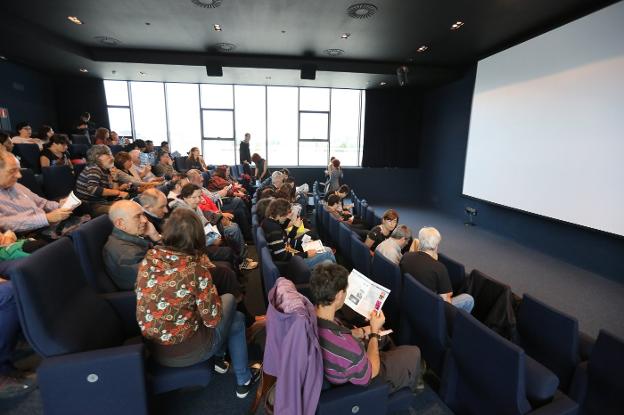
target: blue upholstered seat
<point>360,255</point>
<point>388,274</point>
<point>58,181</point>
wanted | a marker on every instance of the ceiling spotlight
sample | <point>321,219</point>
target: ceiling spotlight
<point>3,58</point>
<point>345,35</point>
<point>422,48</point>
<point>207,4</point>
<point>84,70</point>
<point>225,47</point>
<point>74,19</point>
<point>333,52</point>
<point>217,27</point>
<point>142,73</point>
<point>382,83</point>
<point>361,10</point>
<point>283,31</point>
<point>268,78</point>
<point>147,23</point>
<point>457,25</point>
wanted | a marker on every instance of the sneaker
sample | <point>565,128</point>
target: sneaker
<point>243,390</point>
<point>248,264</point>
<point>13,387</point>
<point>221,366</point>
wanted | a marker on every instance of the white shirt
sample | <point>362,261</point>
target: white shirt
<point>390,249</point>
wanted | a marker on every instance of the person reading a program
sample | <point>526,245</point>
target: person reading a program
<point>353,355</point>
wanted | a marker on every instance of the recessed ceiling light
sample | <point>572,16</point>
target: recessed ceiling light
<point>457,25</point>
<point>382,83</point>
<point>268,78</point>
<point>3,58</point>
<point>361,10</point>
<point>207,4</point>
<point>74,19</point>
<point>107,40</point>
<point>422,48</point>
<point>225,47</point>
<point>217,27</point>
<point>333,52</point>
<point>142,73</point>
<point>283,31</point>
<point>345,35</point>
<point>84,70</point>
<point>147,23</point>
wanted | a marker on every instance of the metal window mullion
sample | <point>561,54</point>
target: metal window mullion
<point>166,111</point>
<point>266,123</point>
<point>329,127</point>
<point>234,121</point>
<point>132,128</point>
<point>359,136</point>
<point>298,121</point>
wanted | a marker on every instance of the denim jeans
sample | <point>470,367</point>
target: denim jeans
<point>230,332</point>
<point>328,255</point>
<point>233,233</point>
<point>9,326</point>
<point>463,301</point>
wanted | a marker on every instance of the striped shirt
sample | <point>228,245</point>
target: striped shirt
<point>344,357</point>
<point>278,240</point>
<point>91,184</point>
<point>22,210</point>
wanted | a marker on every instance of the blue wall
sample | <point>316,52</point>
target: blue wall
<point>28,94</point>
<point>444,136</point>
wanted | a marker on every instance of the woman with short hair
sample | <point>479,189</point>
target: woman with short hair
<point>179,309</point>
<point>102,136</point>
<point>381,232</point>
<point>56,152</point>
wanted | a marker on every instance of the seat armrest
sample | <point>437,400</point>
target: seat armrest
<point>541,384</point>
<point>347,399</point>
<point>105,381</point>
<point>586,343</point>
<point>124,303</point>
<point>561,405</point>
<point>578,387</point>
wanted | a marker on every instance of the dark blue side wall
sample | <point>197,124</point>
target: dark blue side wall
<point>28,94</point>
<point>444,139</point>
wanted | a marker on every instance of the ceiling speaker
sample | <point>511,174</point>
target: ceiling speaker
<point>214,69</point>
<point>308,71</point>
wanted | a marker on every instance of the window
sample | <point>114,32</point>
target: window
<point>148,110</point>
<point>282,126</point>
<point>183,117</point>
<point>250,117</point>
<point>289,126</point>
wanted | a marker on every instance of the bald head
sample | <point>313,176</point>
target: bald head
<point>135,155</point>
<point>128,217</point>
<point>154,202</point>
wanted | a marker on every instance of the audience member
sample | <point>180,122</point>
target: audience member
<point>262,167</point>
<point>84,124</point>
<point>245,155</point>
<point>55,154</point>
<point>24,132</point>
<point>380,233</point>
<point>392,248</point>
<point>115,139</point>
<point>94,185</point>
<point>6,142</point>
<point>164,166</point>
<point>142,172</point>
<point>122,174</point>
<point>283,245</point>
<point>128,243</point>
<point>195,160</point>
<point>424,266</point>
<point>195,323</point>
<point>335,175</point>
<point>346,356</point>
<point>154,203</point>
<point>335,209</point>
<point>45,133</point>
<point>148,155</point>
<point>21,210</point>
<point>261,207</point>
<point>102,136</point>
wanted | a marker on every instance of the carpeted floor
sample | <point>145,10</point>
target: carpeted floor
<point>594,300</point>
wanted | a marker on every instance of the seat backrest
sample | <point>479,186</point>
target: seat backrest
<point>550,337</point>
<point>344,241</point>
<point>456,271</point>
<point>80,139</point>
<point>360,255</point>
<point>388,274</point>
<point>89,240</point>
<point>270,273</point>
<point>58,181</point>
<point>58,311</point>
<point>377,220</point>
<point>179,163</point>
<point>29,180</point>
<point>333,225</point>
<point>423,322</point>
<point>605,389</point>
<point>78,151</point>
<point>370,216</point>
<point>29,156</point>
<point>483,373</point>
<point>260,238</point>
<point>490,296</point>
<point>116,148</point>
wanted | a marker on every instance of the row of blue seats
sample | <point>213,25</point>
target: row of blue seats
<point>550,338</point>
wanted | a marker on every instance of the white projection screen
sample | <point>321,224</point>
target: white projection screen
<point>547,125</point>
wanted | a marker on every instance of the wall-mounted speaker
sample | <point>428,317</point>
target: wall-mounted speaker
<point>214,69</point>
<point>308,71</point>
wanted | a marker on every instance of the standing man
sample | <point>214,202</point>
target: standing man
<point>245,155</point>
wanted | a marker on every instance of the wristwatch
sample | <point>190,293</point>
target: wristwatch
<point>375,335</point>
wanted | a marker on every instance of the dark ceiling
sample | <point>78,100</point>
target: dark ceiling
<point>172,40</point>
